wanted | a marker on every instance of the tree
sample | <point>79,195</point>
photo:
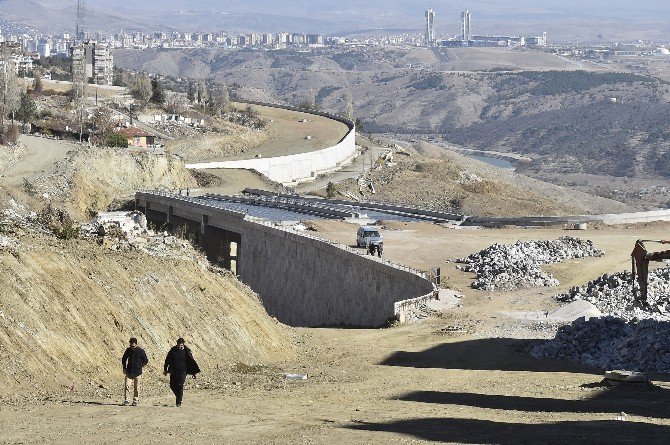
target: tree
<point>360,125</point>
<point>203,94</point>
<point>308,101</point>
<point>37,85</point>
<point>220,99</point>
<point>119,78</point>
<point>157,92</point>
<point>27,108</point>
<point>349,106</point>
<point>10,91</point>
<point>190,94</point>
<point>141,88</point>
<point>102,123</point>
<point>331,190</point>
<point>116,140</point>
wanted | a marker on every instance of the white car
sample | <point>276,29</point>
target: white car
<point>367,235</point>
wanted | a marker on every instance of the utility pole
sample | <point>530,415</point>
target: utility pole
<point>82,100</point>
<point>4,93</point>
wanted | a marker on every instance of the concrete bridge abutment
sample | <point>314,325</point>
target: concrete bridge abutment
<point>301,280</point>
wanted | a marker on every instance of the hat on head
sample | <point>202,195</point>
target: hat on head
<point>180,341</point>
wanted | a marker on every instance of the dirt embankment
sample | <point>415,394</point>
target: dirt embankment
<point>444,180</point>
<point>231,140</point>
<point>9,155</point>
<point>82,179</point>
<point>67,309</point>
<point>98,177</point>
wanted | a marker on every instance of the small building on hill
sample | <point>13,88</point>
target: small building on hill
<point>137,137</point>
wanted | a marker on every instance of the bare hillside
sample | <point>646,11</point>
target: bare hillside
<point>523,101</point>
<point>93,179</point>
<point>67,309</point>
<point>437,178</point>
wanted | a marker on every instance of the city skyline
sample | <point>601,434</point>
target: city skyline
<point>588,21</point>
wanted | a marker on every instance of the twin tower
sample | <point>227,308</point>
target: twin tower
<point>466,32</point>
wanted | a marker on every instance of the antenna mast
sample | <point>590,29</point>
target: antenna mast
<point>81,19</point>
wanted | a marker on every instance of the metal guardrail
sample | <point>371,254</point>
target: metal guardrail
<point>295,205</point>
<point>399,210</point>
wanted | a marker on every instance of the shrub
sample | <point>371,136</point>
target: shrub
<point>421,167</point>
<point>331,190</point>
<point>29,187</point>
<point>115,140</point>
<point>59,222</point>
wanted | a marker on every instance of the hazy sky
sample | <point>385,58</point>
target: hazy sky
<point>379,10</point>
<point>563,19</point>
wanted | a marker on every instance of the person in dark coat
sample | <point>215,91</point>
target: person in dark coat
<point>179,363</point>
<point>133,360</point>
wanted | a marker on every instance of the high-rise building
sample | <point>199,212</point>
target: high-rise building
<point>103,65</point>
<point>430,27</point>
<point>466,29</point>
<point>44,48</point>
<point>92,61</point>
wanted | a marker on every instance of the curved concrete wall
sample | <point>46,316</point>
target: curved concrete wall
<point>300,167</point>
<point>302,280</point>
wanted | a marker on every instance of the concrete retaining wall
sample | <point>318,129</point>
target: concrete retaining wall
<point>303,281</point>
<point>300,167</point>
<point>309,282</point>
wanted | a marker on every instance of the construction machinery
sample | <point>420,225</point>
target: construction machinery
<point>640,258</point>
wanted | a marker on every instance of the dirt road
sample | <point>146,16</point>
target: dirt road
<point>413,384</point>
<point>461,377</point>
<point>41,154</point>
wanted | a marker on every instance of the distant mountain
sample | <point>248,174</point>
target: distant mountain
<point>327,17</point>
<point>550,115</point>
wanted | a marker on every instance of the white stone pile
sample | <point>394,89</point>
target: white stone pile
<point>614,294</point>
<point>5,241</point>
<point>129,230</point>
<point>510,266</point>
<point>611,343</point>
<point>18,216</point>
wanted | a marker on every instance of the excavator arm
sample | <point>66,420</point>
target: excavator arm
<point>640,259</point>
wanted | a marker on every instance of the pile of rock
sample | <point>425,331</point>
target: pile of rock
<point>5,241</point>
<point>611,343</point>
<point>510,266</point>
<point>18,216</point>
<point>129,230</point>
<point>614,294</point>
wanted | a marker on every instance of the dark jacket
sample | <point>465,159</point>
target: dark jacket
<point>173,361</point>
<point>133,361</point>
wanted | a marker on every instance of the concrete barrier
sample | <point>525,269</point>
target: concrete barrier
<point>292,169</point>
<point>302,280</point>
<point>607,218</point>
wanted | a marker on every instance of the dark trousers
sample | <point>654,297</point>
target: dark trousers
<point>177,380</point>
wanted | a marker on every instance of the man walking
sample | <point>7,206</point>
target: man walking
<point>179,363</point>
<point>133,360</point>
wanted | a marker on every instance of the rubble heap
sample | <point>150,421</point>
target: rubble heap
<point>129,230</point>
<point>509,266</point>
<point>614,294</point>
<point>611,343</point>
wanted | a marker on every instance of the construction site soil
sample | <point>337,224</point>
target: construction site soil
<point>464,375</point>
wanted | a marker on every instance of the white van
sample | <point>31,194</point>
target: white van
<point>367,235</point>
